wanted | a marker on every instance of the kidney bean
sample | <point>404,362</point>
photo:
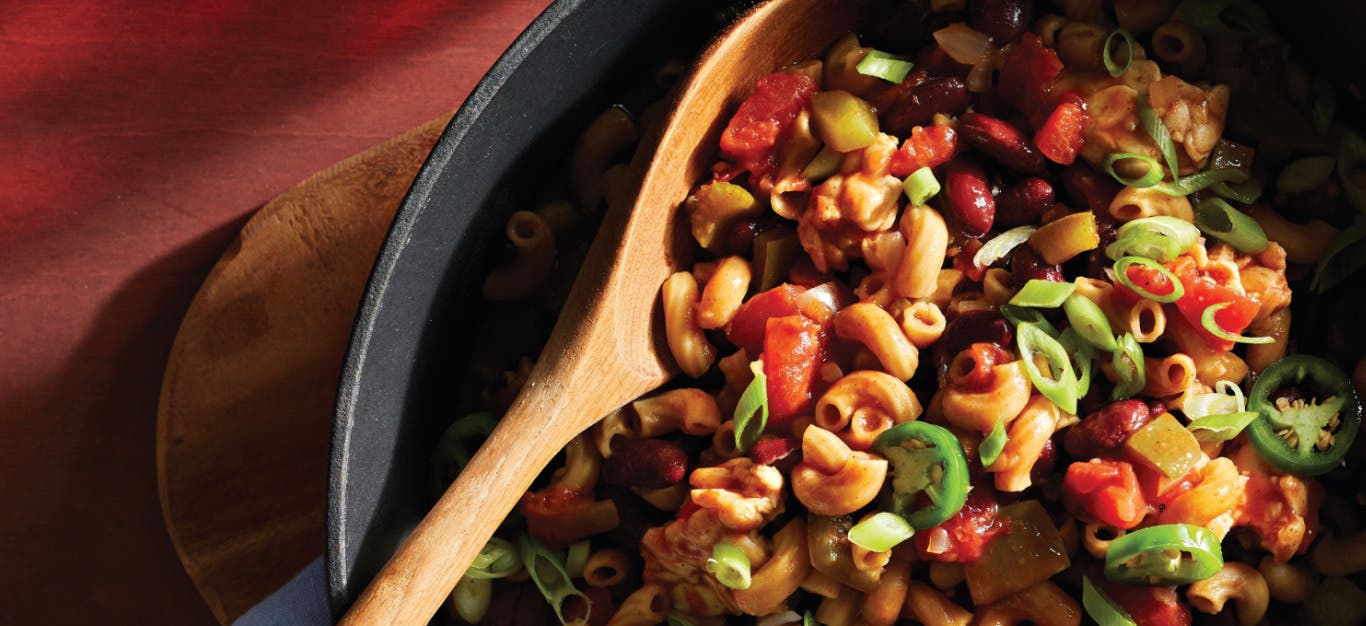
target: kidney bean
<point>947,95</point>
<point>970,204</point>
<point>1105,430</point>
<point>1046,463</point>
<point>1001,141</point>
<point>1026,265</point>
<point>1002,20</point>
<point>939,63</point>
<point>781,453</point>
<point>1023,202</point>
<point>1090,189</point>
<point>982,326</point>
<point>740,239</point>
<point>649,463</point>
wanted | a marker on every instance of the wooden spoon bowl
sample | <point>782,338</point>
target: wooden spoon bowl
<point>607,347</point>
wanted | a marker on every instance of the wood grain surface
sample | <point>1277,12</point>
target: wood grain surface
<point>138,137</point>
<point>242,430</point>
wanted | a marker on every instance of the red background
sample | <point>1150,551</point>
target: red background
<point>135,139</point>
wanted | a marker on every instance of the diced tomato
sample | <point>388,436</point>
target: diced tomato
<point>1060,138</point>
<point>1106,491</point>
<point>1158,489</point>
<point>1150,606</point>
<point>926,147</point>
<point>555,515</point>
<point>1027,75</point>
<point>1145,278</point>
<point>963,261</point>
<point>1203,291</point>
<point>964,536</point>
<point>795,348</point>
<point>746,329</point>
<point>752,134</point>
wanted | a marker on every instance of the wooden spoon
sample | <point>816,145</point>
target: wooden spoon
<point>607,347</point>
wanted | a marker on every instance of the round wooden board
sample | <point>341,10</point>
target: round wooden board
<point>247,396</point>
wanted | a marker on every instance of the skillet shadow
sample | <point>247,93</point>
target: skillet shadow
<point>108,522</point>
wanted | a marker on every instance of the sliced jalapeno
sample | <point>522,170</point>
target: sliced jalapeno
<point>1101,608</point>
<point>925,459</point>
<point>1170,554</point>
<point>1298,435</point>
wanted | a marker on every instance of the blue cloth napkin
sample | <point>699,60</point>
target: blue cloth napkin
<point>301,602</point>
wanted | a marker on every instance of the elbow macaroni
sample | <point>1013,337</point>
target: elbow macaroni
<point>1237,582</point>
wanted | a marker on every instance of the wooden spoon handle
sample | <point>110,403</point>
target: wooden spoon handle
<point>418,578</point>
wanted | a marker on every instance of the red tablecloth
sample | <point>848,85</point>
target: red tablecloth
<point>135,138</point>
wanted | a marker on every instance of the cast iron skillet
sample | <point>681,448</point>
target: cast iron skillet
<point>412,338</point>
<point>411,341</point>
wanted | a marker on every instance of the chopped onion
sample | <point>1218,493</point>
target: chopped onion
<point>821,301</point>
<point>1001,245</point>
<point>963,44</point>
<point>939,541</point>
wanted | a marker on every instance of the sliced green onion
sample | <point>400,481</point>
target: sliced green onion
<point>1197,182</point>
<point>1351,153</point>
<point>1061,386</point>
<point>1207,320</point>
<point>880,532</point>
<point>1089,322</point>
<point>1152,177</point>
<point>1111,65</point>
<point>471,598</point>
<point>679,619</point>
<point>1122,276</point>
<point>888,67</point>
<point>1306,174</point>
<point>920,186</point>
<point>1221,427</point>
<point>992,445</point>
<point>1154,247</point>
<point>1220,220</point>
<point>462,438</point>
<point>547,571</point>
<point>1217,402</point>
<point>1160,237</point>
<point>1152,124</point>
<point>576,558</point>
<point>1083,358</point>
<point>1044,294</point>
<point>1001,245</point>
<point>808,619</point>
<point>730,566</point>
<point>751,413</point>
<point>823,165</point>
<point>1017,315</point>
<point>1128,362</point>
<point>1245,192</point>
<point>1346,253</point>
<point>1101,608</point>
<point>497,559</point>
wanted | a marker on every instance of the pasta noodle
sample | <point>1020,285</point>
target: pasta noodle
<point>534,242</point>
<point>832,282</point>
<point>686,341</point>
